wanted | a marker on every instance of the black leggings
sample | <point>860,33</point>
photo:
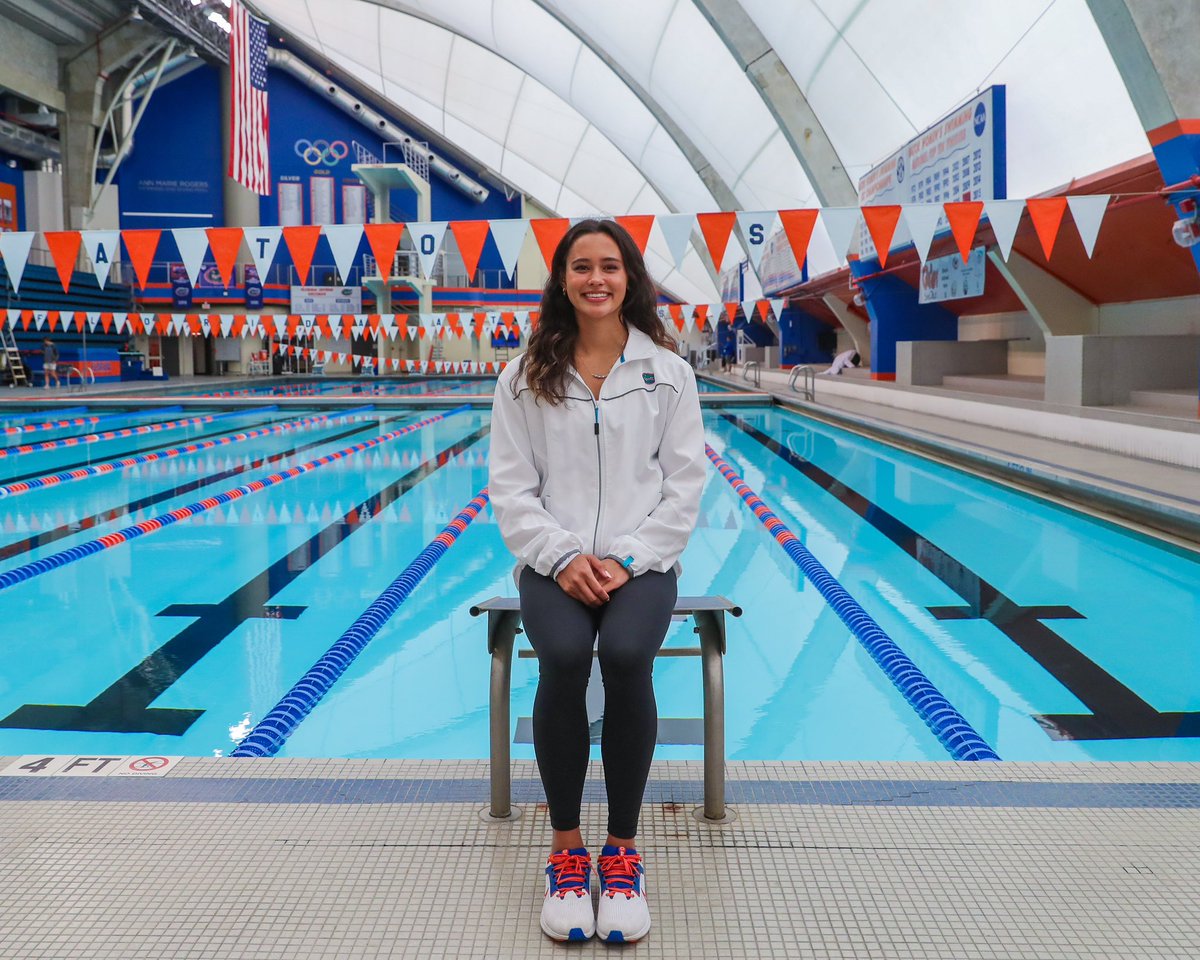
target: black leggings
<point>562,631</point>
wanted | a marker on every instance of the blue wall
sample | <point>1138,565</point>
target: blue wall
<point>804,338</point>
<point>176,165</point>
<point>299,115</point>
<point>15,176</point>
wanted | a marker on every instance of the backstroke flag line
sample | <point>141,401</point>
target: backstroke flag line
<point>249,163</point>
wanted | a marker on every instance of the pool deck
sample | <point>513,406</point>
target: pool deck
<point>227,858</point>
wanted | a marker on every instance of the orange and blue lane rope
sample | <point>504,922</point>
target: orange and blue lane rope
<point>36,568</point>
<point>950,727</point>
<point>109,466</point>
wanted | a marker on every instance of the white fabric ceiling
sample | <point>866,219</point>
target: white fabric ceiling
<point>521,86</point>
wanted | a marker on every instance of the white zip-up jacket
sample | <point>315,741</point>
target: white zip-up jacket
<point>616,477</point>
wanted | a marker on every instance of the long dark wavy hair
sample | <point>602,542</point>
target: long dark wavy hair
<point>551,348</point>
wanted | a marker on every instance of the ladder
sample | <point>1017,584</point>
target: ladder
<point>12,356</point>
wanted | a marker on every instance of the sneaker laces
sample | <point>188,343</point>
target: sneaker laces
<point>620,873</point>
<point>570,873</point>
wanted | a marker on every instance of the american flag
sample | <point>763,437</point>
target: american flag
<point>249,163</point>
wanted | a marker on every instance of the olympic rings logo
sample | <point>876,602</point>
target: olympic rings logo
<point>321,153</point>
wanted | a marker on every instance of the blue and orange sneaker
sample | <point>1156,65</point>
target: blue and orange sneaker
<point>567,910</point>
<point>624,915</point>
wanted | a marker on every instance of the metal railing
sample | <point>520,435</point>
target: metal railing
<point>84,376</point>
<point>810,382</point>
<point>753,366</point>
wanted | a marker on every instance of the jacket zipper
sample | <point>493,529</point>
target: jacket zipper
<point>599,478</point>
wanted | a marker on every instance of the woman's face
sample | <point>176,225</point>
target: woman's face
<point>595,279</point>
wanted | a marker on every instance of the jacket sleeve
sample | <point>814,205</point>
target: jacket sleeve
<point>514,487</point>
<point>658,540</point>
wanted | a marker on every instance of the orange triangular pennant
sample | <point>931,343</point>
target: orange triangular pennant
<point>639,229</point>
<point>731,310</point>
<point>224,242</point>
<point>383,239</point>
<point>963,216</point>
<point>302,244</point>
<point>701,315</point>
<point>470,235</point>
<point>141,245</point>
<point>798,227</point>
<point>761,307</point>
<point>64,248</point>
<point>716,228</point>
<point>1046,214</point>
<point>548,233</point>
<point>881,221</point>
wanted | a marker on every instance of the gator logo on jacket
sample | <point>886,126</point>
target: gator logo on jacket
<point>647,378</point>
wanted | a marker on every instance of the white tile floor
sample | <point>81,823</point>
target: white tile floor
<point>882,878</point>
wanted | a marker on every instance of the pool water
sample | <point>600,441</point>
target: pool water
<point>1057,636</point>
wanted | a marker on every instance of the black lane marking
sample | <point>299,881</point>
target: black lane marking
<point>200,437</point>
<point>104,516</point>
<point>1117,712</point>
<point>125,706</point>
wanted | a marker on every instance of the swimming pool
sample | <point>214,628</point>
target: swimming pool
<point>1057,636</point>
<point>318,387</point>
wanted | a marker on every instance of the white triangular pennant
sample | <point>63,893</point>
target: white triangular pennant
<point>102,247</point>
<point>922,220</point>
<point>1004,216</point>
<point>262,242</point>
<point>677,231</point>
<point>343,241</point>
<point>1088,213</point>
<point>840,224</point>
<point>427,237</point>
<point>93,320</point>
<point>756,226</point>
<point>509,237</point>
<point>192,243</point>
<point>413,329</point>
<point>777,308</point>
<point>15,249</point>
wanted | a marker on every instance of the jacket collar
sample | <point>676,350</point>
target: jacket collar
<point>639,346</point>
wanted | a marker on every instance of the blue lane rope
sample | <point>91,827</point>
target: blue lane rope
<point>950,727</point>
<point>36,568</point>
<point>270,733</point>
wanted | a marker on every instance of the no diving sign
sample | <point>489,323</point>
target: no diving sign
<point>83,766</point>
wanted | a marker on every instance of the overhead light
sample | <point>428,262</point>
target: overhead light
<point>136,15</point>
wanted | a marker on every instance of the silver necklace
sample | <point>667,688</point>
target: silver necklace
<point>601,376</point>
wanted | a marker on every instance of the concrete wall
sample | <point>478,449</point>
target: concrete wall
<point>29,65</point>
<point>1026,343</point>
<point>43,200</point>
<point>1178,315</point>
<point>924,363</point>
<point>1100,371</point>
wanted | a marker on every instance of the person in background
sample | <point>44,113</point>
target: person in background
<point>847,358</point>
<point>595,473</point>
<point>50,363</point>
